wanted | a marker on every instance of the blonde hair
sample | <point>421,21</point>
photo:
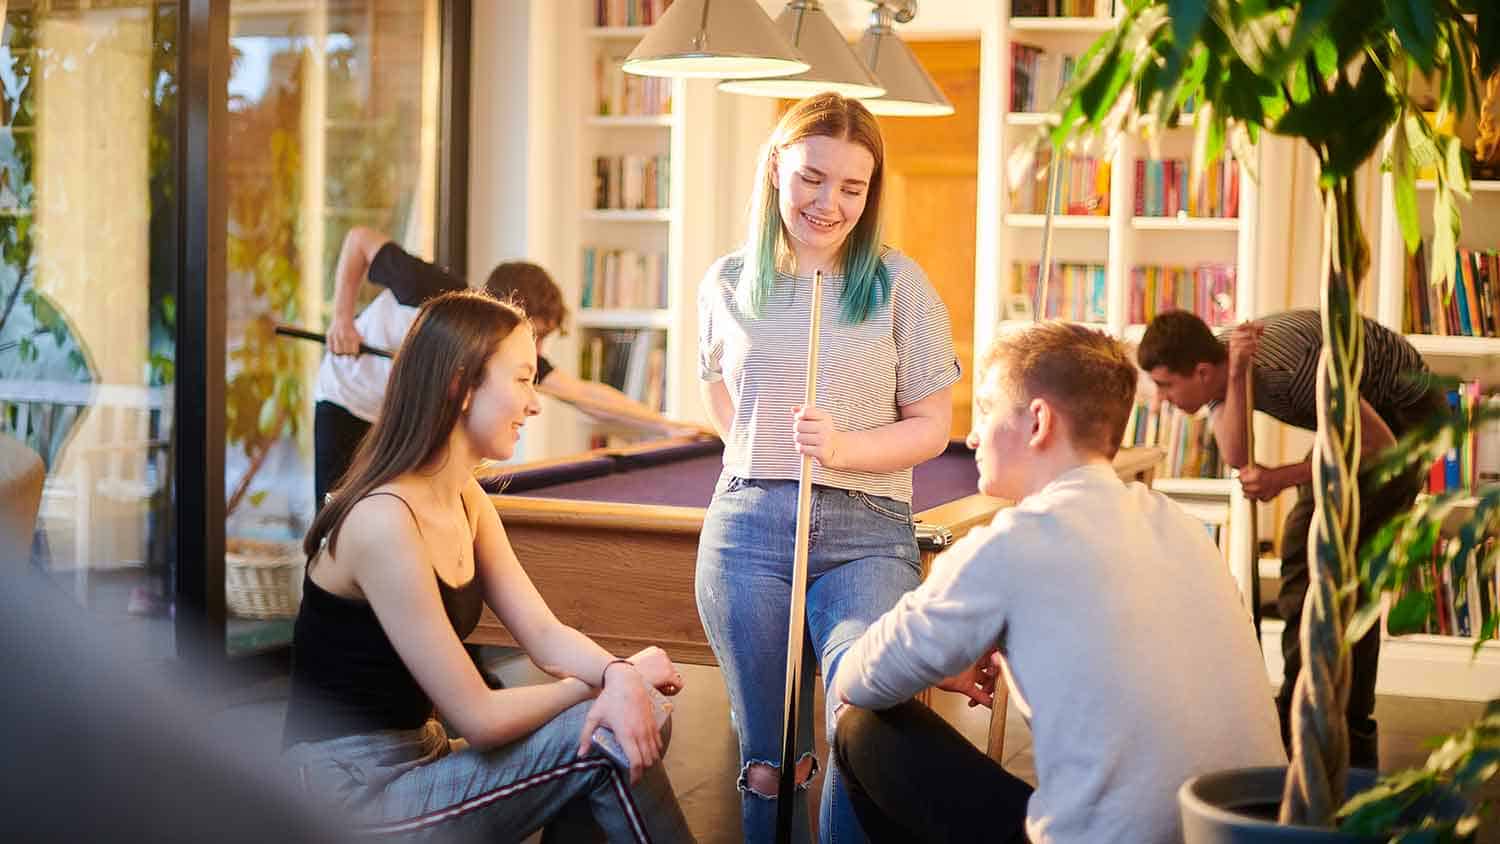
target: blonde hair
<point>867,284</point>
<point>1086,375</point>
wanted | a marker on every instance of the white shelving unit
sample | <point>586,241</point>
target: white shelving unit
<point>566,42</point>
<point>1424,665</point>
<point>654,230</point>
<point>1119,241</point>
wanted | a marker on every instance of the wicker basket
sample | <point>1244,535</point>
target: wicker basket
<point>262,579</point>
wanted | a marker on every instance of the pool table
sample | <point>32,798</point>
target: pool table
<point>610,537</point>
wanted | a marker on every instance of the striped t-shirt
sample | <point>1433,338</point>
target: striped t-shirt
<point>901,354</point>
<point>1395,378</point>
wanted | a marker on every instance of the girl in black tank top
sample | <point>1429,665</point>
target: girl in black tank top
<point>377,646</point>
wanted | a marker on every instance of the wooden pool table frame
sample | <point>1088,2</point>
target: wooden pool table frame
<point>623,573</point>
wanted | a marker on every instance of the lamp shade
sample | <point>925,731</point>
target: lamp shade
<point>717,39</point>
<point>835,67</point>
<point>909,91</point>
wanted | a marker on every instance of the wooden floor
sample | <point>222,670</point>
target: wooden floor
<point>703,760</point>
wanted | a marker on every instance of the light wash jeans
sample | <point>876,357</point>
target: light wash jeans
<point>862,557</point>
<point>417,785</point>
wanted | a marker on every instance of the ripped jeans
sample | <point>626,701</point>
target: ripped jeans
<point>862,557</point>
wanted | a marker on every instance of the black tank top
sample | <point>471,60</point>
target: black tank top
<point>346,675</point>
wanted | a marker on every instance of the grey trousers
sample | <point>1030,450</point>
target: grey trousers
<point>419,785</point>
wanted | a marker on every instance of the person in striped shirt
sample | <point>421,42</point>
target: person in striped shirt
<point>885,377</point>
<point>1193,367</point>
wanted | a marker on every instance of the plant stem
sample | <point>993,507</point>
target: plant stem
<point>243,487</point>
<point>1320,739</point>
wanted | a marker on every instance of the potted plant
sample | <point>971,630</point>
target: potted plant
<point>1334,74</point>
<point>264,391</point>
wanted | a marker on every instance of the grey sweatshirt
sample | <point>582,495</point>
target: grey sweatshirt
<point>1126,647</point>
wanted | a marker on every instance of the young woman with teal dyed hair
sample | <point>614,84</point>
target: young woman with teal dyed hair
<point>885,404</point>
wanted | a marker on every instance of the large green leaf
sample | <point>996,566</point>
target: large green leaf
<point>1410,613</point>
<point>1187,20</point>
<point>1309,29</point>
<point>1404,187</point>
<point>1416,25</point>
<point>1346,123</point>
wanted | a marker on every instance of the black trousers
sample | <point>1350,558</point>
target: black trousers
<point>912,777</point>
<point>336,435</point>
<point>1377,505</point>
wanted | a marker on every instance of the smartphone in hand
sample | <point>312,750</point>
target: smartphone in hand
<point>604,738</point>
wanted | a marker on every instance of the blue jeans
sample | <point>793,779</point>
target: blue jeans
<point>417,785</point>
<point>862,557</point>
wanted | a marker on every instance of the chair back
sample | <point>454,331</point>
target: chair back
<point>22,475</point>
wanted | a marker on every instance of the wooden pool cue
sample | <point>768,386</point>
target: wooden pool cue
<point>304,334</point>
<point>1254,521</point>
<point>796,621</point>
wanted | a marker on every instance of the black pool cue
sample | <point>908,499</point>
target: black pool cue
<point>796,621</point>
<point>304,334</point>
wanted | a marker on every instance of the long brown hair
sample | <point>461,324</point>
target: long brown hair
<point>439,363</point>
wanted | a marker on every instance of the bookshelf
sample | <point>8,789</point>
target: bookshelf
<point>1433,665</point>
<point>1116,214</point>
<point>1106,231</point>
<point>627,283</point>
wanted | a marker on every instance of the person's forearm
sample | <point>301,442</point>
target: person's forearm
<point>720,404</point>
<point>351,269</point>
<point>1296,474</point>
<point>1229,424</point>
<point>607,402</point>
<point>564,651</point>
<point>891,448</point>
<point>517,712</point>
<point>897,656</point>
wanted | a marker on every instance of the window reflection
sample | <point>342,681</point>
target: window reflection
<point>87,270</point>
<point>333,124</point>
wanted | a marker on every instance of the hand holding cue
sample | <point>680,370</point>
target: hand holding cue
<point>796,622</point>
<point>304,334</point>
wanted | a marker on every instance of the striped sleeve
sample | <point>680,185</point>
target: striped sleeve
<point>925,361</point>
<point>710,344</point>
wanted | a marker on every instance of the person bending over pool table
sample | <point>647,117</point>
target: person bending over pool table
<point>1105,607</point>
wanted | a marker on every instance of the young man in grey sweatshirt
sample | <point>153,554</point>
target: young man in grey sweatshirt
<point>1106,608</point>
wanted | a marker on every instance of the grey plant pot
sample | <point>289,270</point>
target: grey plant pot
<point>1239,807</point>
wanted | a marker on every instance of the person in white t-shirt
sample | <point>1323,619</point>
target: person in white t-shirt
<point>350,385</point>
<point>1104,606</point>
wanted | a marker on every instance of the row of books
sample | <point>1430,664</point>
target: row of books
<point>1207,290</point>
<point>628,12</point>
<point>1470,308</point>
<point>623,278</point>
<point>1074,291</point>
<point>1037,76</point>
<point>631,182</point>
<point>1473,462</point>
<point>1187,439</point>
<point>1082,188</point>
<point>1063,8</point>
<point>620,93</point>
<point>1163,189</point>
<point>1463,595</point>
<point>633,362</point>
